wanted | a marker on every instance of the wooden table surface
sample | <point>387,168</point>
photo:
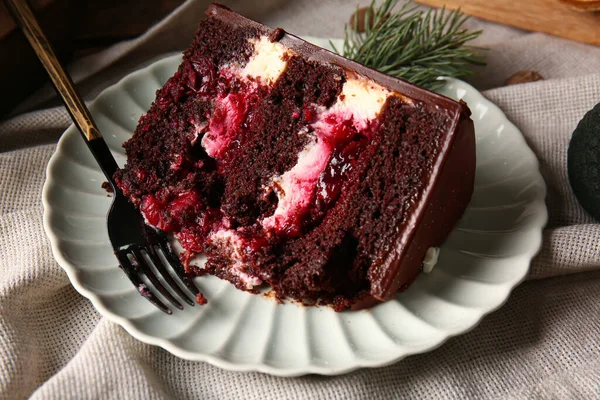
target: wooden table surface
<point>553,17</point>
<point>77,28</point>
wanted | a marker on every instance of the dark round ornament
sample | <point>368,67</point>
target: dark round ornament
<point>583,162</point>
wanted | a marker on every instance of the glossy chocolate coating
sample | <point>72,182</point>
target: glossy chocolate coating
<point>448,186</point>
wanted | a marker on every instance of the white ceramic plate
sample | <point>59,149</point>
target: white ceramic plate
<point>484,258</point>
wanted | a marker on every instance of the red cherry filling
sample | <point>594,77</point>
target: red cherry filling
<point>172,215</point>
<point>216,131</point>
<point>225,123</point>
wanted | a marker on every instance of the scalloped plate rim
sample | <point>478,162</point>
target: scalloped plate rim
<point>358,363</point>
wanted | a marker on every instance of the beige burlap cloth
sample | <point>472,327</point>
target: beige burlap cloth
<point>544,343</point>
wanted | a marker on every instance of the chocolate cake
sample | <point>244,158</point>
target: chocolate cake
<point>290,166</point>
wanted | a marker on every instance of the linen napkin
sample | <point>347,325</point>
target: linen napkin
<point>543,343</point>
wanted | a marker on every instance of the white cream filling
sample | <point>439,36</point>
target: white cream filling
<point>362,98</point>
<point>431,258</point>
<point>268,61</point>
<point>293,188</point>
<point>229,239</point>
<point>265,66</point>
<point>198,129</point>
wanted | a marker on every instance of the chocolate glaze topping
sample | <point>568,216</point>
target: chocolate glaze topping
<point>448,187</point>
<point>286,180</point>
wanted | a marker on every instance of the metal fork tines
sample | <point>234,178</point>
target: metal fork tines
<point>133,262</point>
<point>135,245</point>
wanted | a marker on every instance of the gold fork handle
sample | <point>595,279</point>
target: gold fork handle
<point>62,82</point>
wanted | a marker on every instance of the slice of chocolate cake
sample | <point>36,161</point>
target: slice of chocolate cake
<point>288,165</point>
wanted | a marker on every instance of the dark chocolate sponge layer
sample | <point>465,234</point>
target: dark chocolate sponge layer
<point>389,191</point>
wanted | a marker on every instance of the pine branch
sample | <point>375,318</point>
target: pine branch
<point>412,44</point>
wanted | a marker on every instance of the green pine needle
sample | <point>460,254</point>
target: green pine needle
<point>415,45</point>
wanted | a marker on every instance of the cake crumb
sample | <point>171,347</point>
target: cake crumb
<point>276,35</point>
<point>271,294</point>
<point>107,186</point>
<point>200,299</point>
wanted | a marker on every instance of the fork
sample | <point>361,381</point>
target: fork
<point>134,242</point>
